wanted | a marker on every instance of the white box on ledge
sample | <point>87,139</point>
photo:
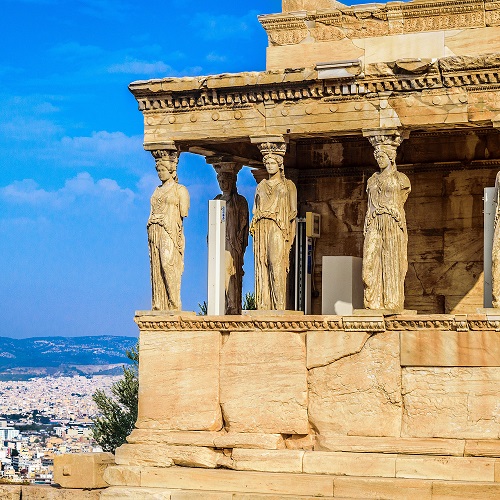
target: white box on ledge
<point>342,289</point>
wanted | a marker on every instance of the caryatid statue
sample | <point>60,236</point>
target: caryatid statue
<point>495,264</point>
<point>169,206</point>
<point>236,231</point>
<point>385,259</point>
<point>273,229</point>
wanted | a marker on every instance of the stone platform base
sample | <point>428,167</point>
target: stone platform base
<point>193,484</point>
<point>301,407</point>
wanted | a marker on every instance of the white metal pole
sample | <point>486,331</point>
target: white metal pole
<point>216,257</point>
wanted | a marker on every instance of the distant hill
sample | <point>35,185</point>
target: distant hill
<point>42,356</point>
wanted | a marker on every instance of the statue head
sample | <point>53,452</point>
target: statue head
<point>274,163</point>
<point>166,164</point>
<point>226,174</point>
<point>385,155</point>
<point>272,157</point>
<point>227,181</point>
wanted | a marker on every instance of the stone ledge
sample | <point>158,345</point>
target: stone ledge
<point>220,439</point>
<point>195,484</point>
<point>222,480</point>
<point>33,492</point>
<point>401,446</point>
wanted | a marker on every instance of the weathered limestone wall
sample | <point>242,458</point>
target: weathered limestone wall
<point>444,213</point>
<point>314,377</point>
<point>338,407</point>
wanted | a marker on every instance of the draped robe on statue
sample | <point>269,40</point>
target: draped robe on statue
<point>169,205</point>
<point>495,264</point>
<point>385,261</point>
<point>273,231</point>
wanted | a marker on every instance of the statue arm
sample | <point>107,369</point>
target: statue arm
<point>183,201</point>
<point>405,183</point>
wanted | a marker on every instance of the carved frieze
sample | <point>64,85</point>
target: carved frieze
<point>445,15</point>
<point>326,32</point>
<point>364,26</point>
<point>492,12</point>
<point>285,30</point>
<point>377,20</point>
<point>437,322</point>
<point>327,323</point>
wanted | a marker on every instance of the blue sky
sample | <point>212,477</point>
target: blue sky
<point>74,179</point>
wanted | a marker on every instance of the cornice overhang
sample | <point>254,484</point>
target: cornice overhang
<point>245,89</point>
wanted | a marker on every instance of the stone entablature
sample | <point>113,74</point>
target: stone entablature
<point>246,89</point>
<point>362,21</point>
<point>196,112</point>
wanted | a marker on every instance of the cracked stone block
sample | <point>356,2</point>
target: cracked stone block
<point>359,395</point>
<point>167,456</point>
<point>465,400</point>
<point>179,381</point>
<point>325,347</point>
<point>263,382</point>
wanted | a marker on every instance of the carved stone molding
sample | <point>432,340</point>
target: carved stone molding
<point>285,30</point>
<point>363,324</point>
<point>438,322</point>
<point>467,73</point>
<point>224,163</point>
<point>230,325</point>
<point>384,137</point>
<point>402,324</point>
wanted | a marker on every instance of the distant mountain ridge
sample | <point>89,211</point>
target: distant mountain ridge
<point>42,356</point>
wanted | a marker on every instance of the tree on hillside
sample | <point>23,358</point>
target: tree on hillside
<point>118,412</point>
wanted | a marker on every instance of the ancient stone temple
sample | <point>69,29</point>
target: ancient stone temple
<point>279,405</point>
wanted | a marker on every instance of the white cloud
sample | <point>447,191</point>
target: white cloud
<point>45,108</point>
<point>214,57</point>
<point>25,223</point>
<point>150,69</point>
<point>100,149</point>
<point>25,191</point>
<point>74,50</point>
<point>24,128</point>
<point>147,184</point>
<point>82,186</point>
<point>106,9</point>
<point>141,68</point>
